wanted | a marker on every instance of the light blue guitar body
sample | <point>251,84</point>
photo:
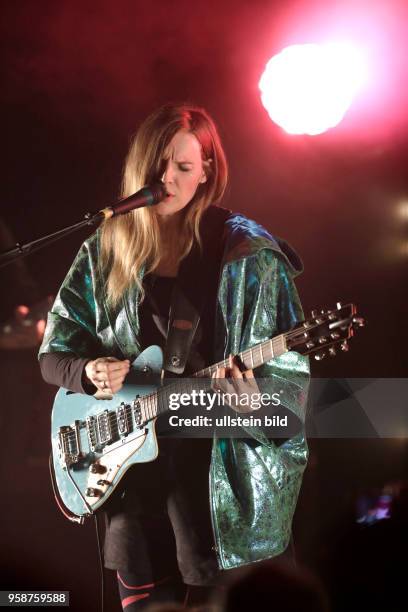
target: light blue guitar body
<point>96,440</point>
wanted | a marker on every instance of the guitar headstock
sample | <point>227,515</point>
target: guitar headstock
<point>325,331</point>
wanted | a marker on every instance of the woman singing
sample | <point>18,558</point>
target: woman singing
<point>203,505</point>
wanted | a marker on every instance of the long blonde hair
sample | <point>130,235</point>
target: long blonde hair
<point>130,243</point>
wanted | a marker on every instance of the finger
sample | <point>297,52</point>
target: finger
<point>248,374</point>
<point>108,377</point>
<point>225,385</point>
<point>236,372</point>
<point>116,385</point>
<point>113,360</point>
<point>216,377</point>
<point>99,365</point>
<point>100,378</point>
<point>110,366</point>
<point>115,379</point>
<point>115,388</point>
<point>102,386</point>
<point>105,365</point>
<point>115,370</point>
<point>238,362</point>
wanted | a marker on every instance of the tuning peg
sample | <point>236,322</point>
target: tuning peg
<point>358,321</point>
<point>332,351</point>
<point>339,305</point>
<point>320,356</point>
<point>322,312</point>
<point>344,346</point>
<point>313,314</point>
<point>322,340</point>
<point>334,335</point>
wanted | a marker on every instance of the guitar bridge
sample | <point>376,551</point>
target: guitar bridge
<point>92,431</point>
<point>69,444</point>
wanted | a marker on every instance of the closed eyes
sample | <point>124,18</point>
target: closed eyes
<point>185,167</point>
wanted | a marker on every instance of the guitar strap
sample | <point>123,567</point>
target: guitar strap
<point>196,280</point>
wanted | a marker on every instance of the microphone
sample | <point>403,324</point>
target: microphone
<point>150,195</point>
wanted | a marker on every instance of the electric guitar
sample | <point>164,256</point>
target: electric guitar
<point>96,439</point>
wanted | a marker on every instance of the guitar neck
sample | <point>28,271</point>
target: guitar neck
<point>156,403</point>
<point>251,358</point>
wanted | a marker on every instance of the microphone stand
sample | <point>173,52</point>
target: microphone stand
<point>20,250</point>
<point>147,196</point>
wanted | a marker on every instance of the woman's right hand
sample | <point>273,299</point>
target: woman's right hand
<point>107,373</point>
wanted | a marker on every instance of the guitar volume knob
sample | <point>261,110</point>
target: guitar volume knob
<point>97,468</point>
<point>92,492</point>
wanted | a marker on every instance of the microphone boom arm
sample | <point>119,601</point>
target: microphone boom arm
<point>147,196</point>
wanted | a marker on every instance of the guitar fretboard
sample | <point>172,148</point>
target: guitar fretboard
<point>251,358</point>
<point>154,404</point>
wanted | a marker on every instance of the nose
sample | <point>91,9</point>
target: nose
<point>168,175</point>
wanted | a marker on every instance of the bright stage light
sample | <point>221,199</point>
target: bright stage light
<point>307,89</point>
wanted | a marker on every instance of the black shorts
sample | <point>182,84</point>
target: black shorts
<point>158,521</point>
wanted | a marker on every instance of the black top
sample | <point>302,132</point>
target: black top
<point>67,370</point>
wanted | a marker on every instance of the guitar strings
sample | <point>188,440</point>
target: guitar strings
<point>152,411</point>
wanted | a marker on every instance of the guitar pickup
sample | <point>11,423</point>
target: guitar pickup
<point>123,419</point>
<point>104,427</point>
<point>69,444</point>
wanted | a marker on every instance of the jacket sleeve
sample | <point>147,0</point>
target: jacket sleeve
<point>71,325</point>
<point>255,480</point>
<point>264,303</point>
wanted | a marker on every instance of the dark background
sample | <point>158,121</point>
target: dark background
<point>78,77</point>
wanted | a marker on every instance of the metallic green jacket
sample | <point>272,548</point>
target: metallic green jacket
<point>254,483</point>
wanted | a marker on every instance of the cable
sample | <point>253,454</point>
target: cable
<point>69,515</point>
<point>101,565</point>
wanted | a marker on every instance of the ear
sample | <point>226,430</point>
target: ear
<point>206,170</point>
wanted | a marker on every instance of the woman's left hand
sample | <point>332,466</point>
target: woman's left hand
<point>236,383</point>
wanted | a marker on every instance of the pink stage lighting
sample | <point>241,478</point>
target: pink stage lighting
<point>307,89</point>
